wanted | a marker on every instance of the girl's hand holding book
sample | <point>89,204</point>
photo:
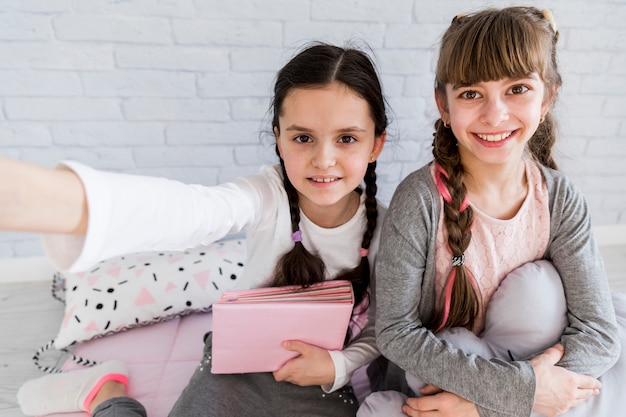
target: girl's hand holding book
<point>314,366</point>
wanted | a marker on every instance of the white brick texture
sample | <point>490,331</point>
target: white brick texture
<point>181,88</point>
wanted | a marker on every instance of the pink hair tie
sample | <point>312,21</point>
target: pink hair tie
<point>447,290</point>
<point>296,236</point>
<point>445,193</point>
<point>364,252</point>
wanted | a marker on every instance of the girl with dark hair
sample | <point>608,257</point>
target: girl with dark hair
<point>490,287</point>
<point>307,220</point>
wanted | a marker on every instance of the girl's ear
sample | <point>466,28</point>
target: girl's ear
<point>442,105</point>
<point>548,102</point>
<point>379,144</point>
<point>277,137</point>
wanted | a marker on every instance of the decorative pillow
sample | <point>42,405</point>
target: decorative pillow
<point>530,308</point>
<point>144,288</point>
<point>526,315</point>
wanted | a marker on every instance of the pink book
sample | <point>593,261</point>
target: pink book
<point>249,326</point>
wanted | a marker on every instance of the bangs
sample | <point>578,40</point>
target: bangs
<point>490,47</point>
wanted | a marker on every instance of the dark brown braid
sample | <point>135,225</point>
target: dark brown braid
<point>360,275</point>
<point>298,266</point>
<point>301,267</point>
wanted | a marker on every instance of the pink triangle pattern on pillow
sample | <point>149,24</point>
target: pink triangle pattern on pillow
<point>140,289</point>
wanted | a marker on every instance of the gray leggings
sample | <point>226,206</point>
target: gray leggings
<point>242,395</point>
<point>120,407</point>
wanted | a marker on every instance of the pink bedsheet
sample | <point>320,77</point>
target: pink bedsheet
<point>161,358</point>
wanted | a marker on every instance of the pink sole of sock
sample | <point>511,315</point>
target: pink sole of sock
<point>121,378</point>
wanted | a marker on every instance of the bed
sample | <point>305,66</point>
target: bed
<point>150,310</point>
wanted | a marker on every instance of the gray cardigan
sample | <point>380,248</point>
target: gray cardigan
<point>405,295</point>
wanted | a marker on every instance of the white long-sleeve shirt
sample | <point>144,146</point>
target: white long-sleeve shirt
<point>130,213</point>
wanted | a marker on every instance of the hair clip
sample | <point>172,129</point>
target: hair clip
<point>296,236</point>
<point>459,17</point>
<point>549,16</point>
<point>364,252</point>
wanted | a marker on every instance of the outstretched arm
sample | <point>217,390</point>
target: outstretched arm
<point>38,199</point>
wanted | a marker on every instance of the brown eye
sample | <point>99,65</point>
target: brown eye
<point>302,139</point>
<point>518,89</point>
<point>469,94</point>
<point>347,139</point>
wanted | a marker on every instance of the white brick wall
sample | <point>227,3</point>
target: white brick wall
<point>180,88</point>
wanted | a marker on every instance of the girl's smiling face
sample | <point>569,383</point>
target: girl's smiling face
<point>326,141</point>
<point>493,120</point>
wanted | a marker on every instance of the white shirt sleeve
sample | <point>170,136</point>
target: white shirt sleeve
<point>362,350</point>
<point>359,353</point>
<point>132,213</point>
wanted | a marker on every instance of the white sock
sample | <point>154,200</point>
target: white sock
<point>68,391</point>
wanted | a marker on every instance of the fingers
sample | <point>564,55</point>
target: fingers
<point>285,371</point>
<point>416,407</point>
<point>281,374</point>
<point>295,346</point>
<point>553,354</point>
<point>312,365</point>
<point>590,383</point>
<point>289,372</point>
<point>430,390</point>
<point>559,389</point>
<point>411,412</point>
<point>441,404</point>
<point>585,386</point>
<point>585,394</point>
<point>550,357</point>
<point>424,404</point>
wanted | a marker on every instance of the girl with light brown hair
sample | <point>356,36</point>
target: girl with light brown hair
<point>463,228</point>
